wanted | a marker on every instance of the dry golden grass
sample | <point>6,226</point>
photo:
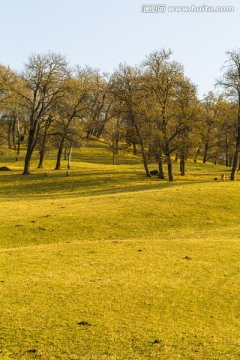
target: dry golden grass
<point>106,264</point>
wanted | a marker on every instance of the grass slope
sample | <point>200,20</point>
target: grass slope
<point>106,264</point>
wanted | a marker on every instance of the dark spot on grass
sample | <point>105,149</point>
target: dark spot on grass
<point>42,228</point>
<point>18,225</point>
<point>187,258</point>
<point>140,250</point>
<point>157,341</point>
<point>84,323</point>
<point>31,351</point>
<point>33,221</point>
<point>4,168</point>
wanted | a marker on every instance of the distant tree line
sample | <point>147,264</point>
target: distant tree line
<point>152,109</point>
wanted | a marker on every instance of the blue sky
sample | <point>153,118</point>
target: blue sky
<point>103,33</point>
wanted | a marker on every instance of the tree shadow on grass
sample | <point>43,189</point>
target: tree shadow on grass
<point>58,185</point>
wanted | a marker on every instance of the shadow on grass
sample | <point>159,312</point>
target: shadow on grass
<point>90,183</point>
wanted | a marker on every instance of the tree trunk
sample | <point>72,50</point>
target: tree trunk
<point>160,167</point>
<point>20,139</point>
<point>44,141</point>
<point>60,150</point>
<point>235,161</point>
<point>134,149</point>
<point>18,146</point>
<point>65,153</point>
<point>169,162</point>
<point>9,134</point>
<point>41,158</point>
<point>69,156</point>
<point>29,153</point>
<point>227,160</point>
<point>170,173</point>
<point>196,156</point>
<point>13,133</point>
<point>226,151</point>
<point>32,141</point>
<point>182,166</point>
<point>42,151</point>
<point>144,157</point>
<point>100,131</point>
<point>205,154</point>
<point>235,158</point>
<point>26,170</point>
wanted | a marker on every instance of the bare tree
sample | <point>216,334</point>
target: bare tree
<point>163,80</point>
<point>44,80</point>
<point>126,87</point>
<point>73,108</point>
<point>231,83</point>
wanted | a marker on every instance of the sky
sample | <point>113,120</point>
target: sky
<point>104,33</point>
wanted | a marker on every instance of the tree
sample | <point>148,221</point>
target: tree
<point>7,78</point>
<point>163,78</point>
<point>187,109</point>
<point>209,124</point>
<point>127,88</point>
<point>7,106</point>
<point>226,131</point>
<point>231,83</point>
<point>115,136</point>
<point>43,137</point>
<point>74,107</point>
<point>44,80</point>
<point>99,104</point>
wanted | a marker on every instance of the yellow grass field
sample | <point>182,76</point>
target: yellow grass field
<point>107,264</point>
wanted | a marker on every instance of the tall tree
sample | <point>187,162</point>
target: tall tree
<point>231,83</point>
<point>187,109</point>
<point>226,130</point>
<point>163,79</point>
<point>209,124</point>
<point>74,107</point>
<point>44,79</point>
<point>126,87</point>
<point>43,137</point>
<point>7,79</point>
<point>99,104</point>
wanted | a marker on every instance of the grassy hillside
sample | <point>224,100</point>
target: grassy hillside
<point>107,264</point>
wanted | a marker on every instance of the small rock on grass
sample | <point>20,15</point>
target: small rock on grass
<point>84,323</point>
<point>31,351</point>
<point>157,341</point>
